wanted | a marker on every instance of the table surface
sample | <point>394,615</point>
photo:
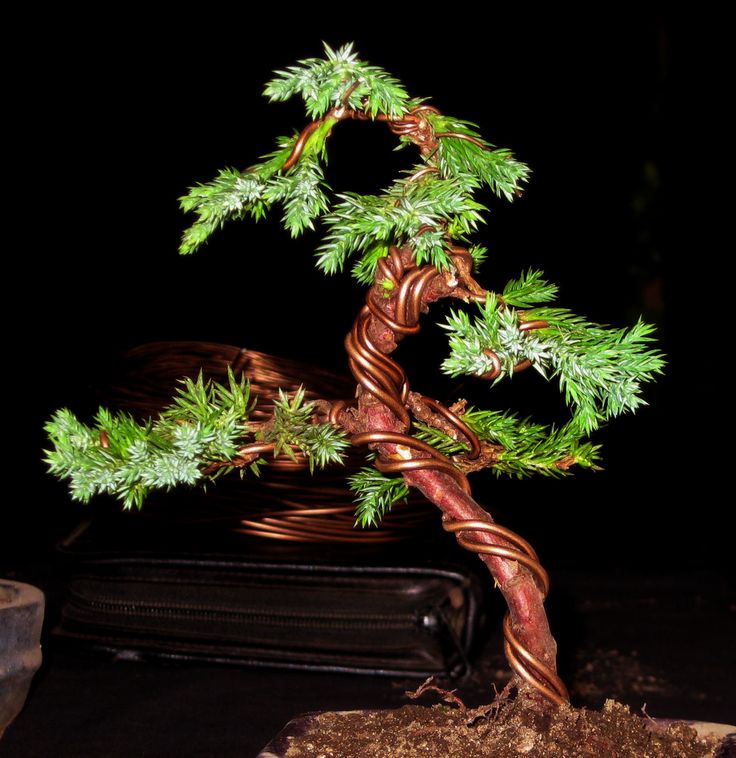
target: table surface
<point>663,642</point>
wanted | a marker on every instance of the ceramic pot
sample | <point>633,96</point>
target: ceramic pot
<point>21,617</point>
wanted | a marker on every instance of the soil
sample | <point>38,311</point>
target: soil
<point>507,730</point>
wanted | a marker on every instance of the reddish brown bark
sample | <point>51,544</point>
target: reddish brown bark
<point>516,582</point>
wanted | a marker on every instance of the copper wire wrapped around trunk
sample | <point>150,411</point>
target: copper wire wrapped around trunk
<point>385,380</point>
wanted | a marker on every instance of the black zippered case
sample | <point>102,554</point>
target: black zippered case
<point>136,594</point>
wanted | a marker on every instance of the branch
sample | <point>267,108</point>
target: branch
<point>202,434</point>
<point>429,209</point>
<point>600,370</point>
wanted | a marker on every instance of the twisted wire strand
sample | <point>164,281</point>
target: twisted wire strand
<point>383,378</point>
<point>458,423</point>
<point>411,124</point>
<point>523,663</point>
<point>436,461</point>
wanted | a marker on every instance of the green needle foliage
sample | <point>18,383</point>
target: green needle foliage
<point>292,427</point>
<point>524,447</point>
<point>599,369</point>
<point>375,494</point>
<point>237,194</point>
<point>421,212</point>
<point>207,423</point>
<point>340,79</point>
<point>206,430</point>
<point>529,290</point>
<point>370,223</point>
<point>472,160</point>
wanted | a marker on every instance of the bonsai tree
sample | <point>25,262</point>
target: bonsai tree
<point>411,246</point>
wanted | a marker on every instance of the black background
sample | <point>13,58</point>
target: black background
<point>117,116</point>
<point>113,113</point>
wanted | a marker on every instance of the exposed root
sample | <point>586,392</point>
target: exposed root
<point>448,696</point>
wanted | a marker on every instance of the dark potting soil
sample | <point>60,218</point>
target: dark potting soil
<point>515,729</point>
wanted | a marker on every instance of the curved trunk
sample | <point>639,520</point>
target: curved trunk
<point>381,419</point>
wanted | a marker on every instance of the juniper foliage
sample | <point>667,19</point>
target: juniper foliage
<point>600,370</point>
<point>433,206</point>
<point>206,423</point>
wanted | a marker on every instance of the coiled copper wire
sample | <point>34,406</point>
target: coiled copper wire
<point>527,666</point>
<point>383,378</point>
<point>411,124</point>
<point>287,504</point>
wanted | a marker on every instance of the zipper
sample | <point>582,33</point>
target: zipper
<point>248,615</point>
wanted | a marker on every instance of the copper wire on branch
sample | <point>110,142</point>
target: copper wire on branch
<point>385,380</point>
<point>289,504</point>
<point>411,124</point>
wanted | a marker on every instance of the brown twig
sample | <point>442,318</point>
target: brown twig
<point>245,456</point>
<point>428,685</point>
<point>492,710</point>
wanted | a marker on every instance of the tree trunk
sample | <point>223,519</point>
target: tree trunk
<point>381,400</point>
